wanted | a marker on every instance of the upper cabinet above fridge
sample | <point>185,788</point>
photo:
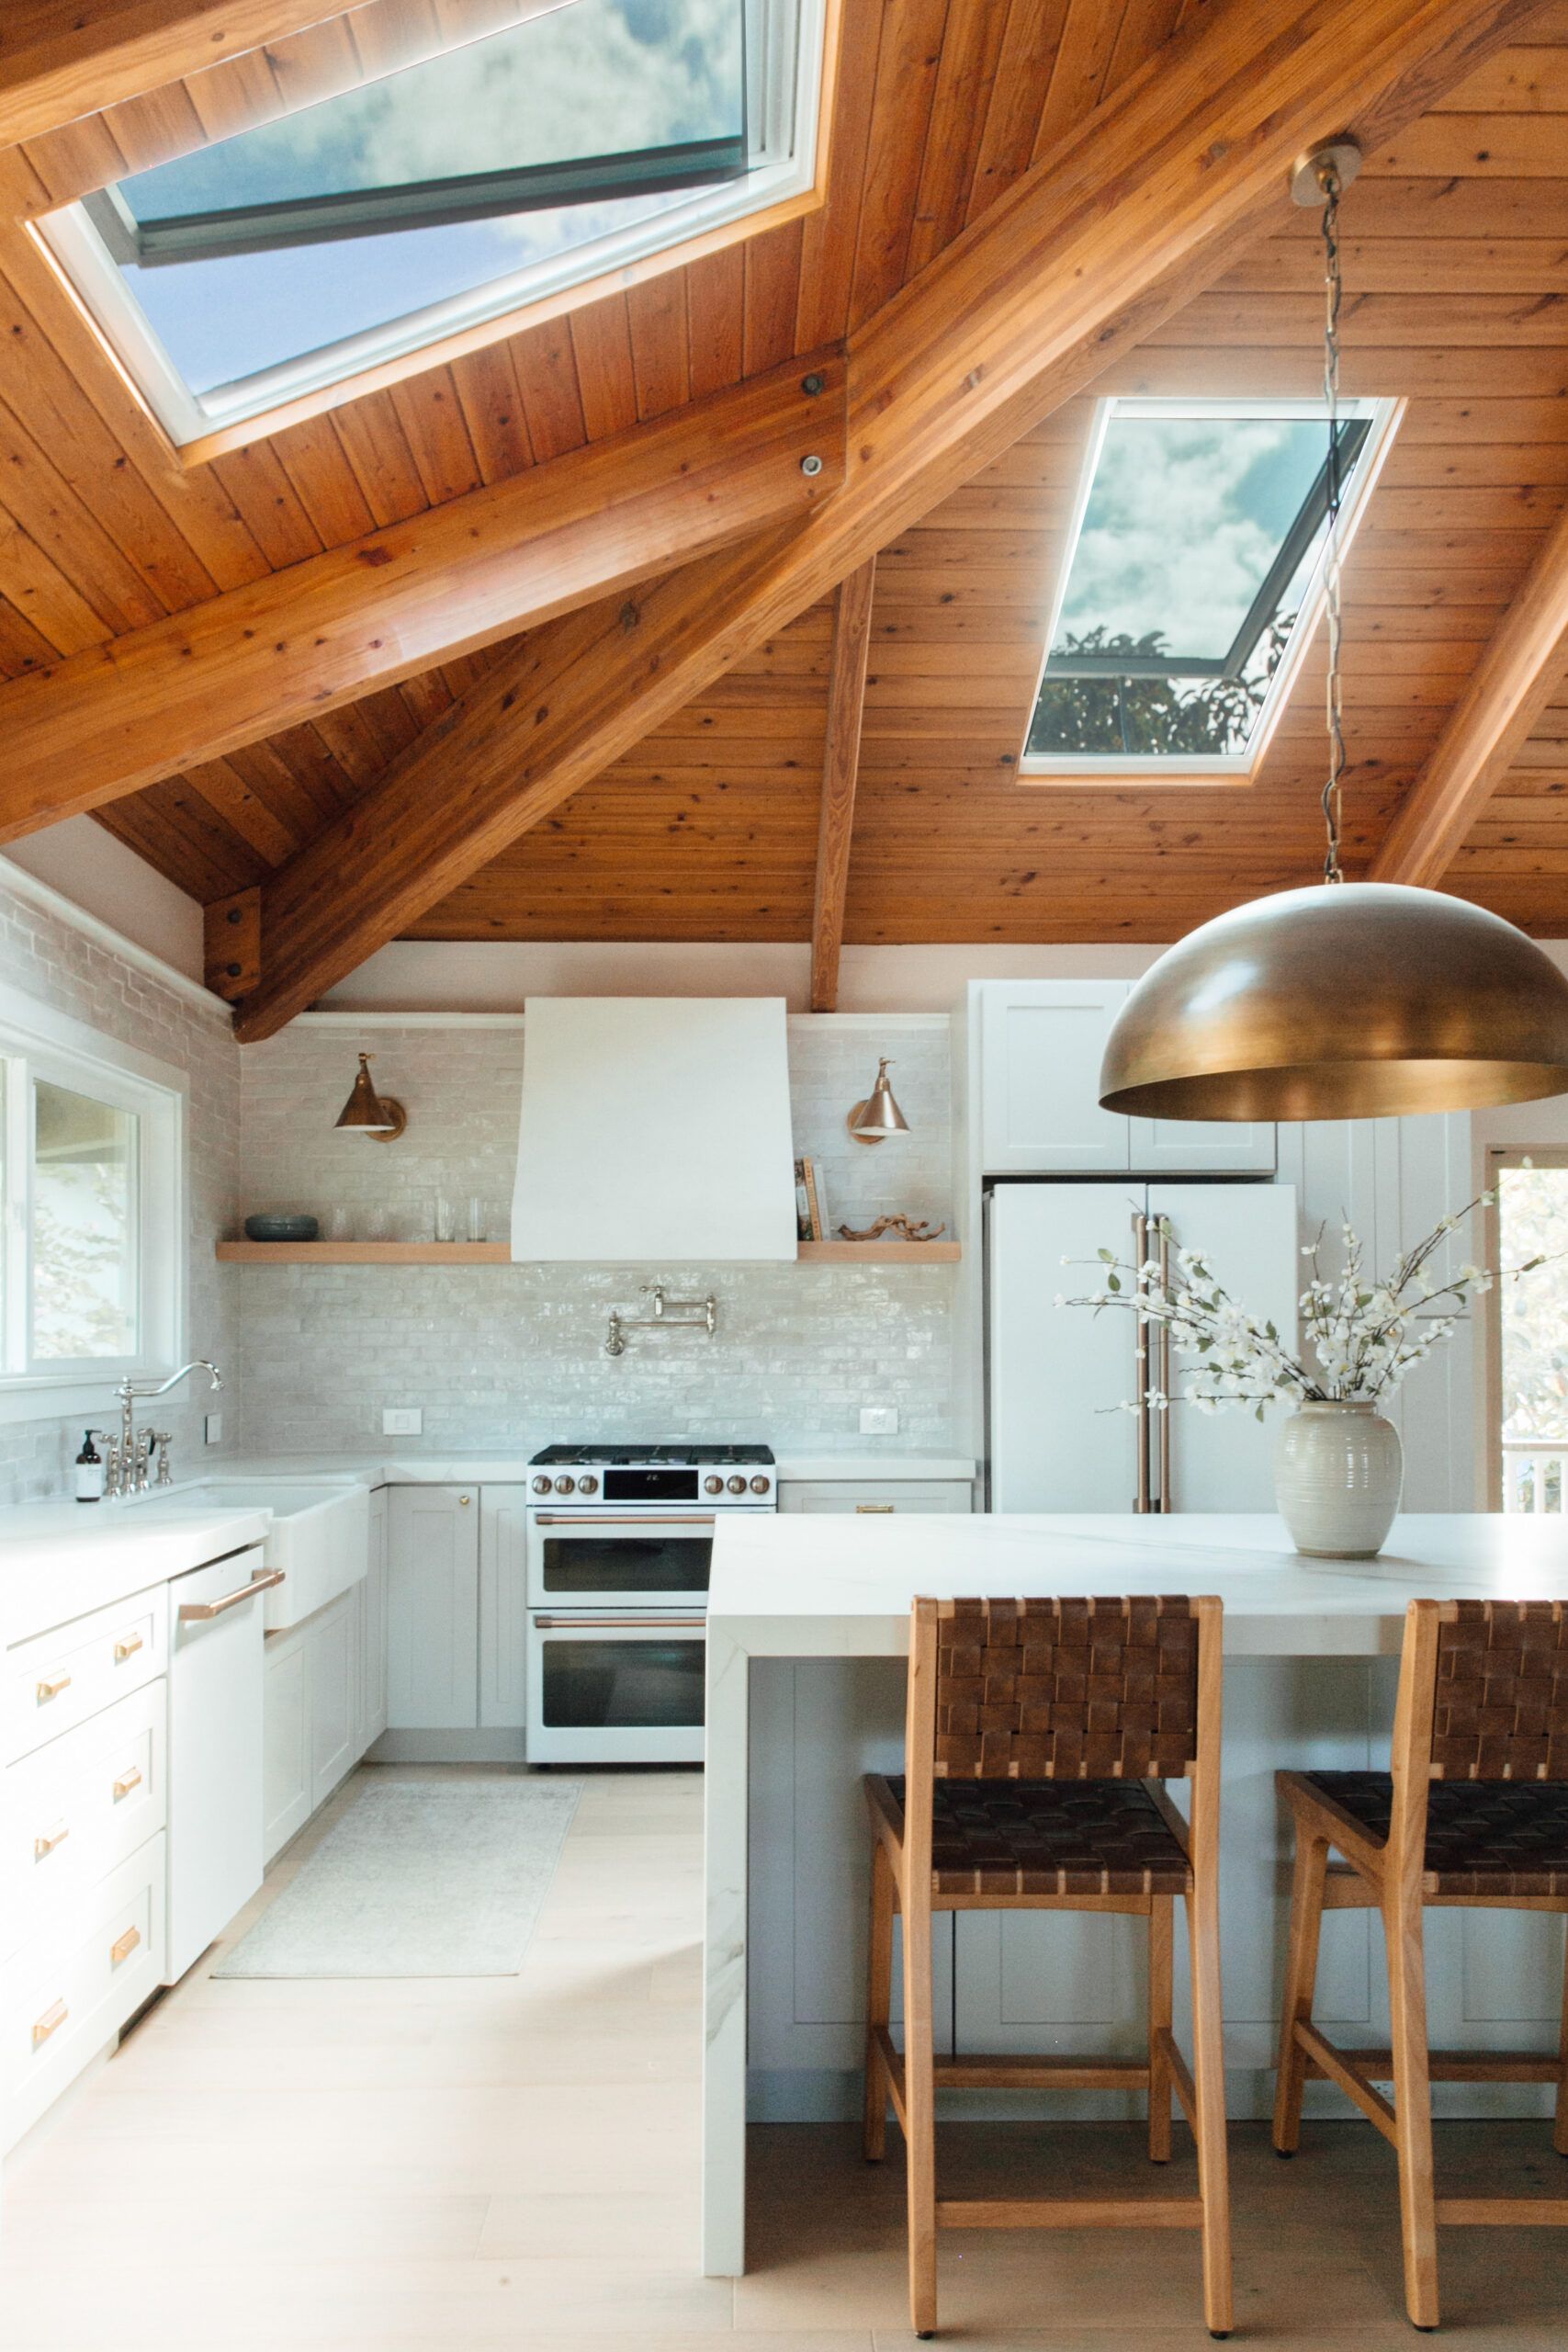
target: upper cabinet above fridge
<point>1040,1048</point>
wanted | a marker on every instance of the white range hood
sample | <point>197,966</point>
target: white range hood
<point>655,1130</point>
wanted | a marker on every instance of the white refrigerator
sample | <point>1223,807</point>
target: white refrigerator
<point>1058,1379</point>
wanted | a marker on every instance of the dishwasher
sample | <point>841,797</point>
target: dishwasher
<point>216,1818</point>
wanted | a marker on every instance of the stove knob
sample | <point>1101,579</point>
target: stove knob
<point>588,1484</point>
<point>736,1486</point>
<point>541,1485</point>
<point>761,1486</point>
<point>713,1485</point>
<point>565,1486</point>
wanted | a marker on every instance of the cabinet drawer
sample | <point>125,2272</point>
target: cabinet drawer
<point>56,1680</point>
<point>76,1808</point>
<point>63,1996</point>
<point>882,1496</point>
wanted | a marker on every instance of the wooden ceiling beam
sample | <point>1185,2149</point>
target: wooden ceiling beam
<point>116,717</point>
<point>61,59</point>
<point>1511,684</point>
<point>1107,236</point>
<point>840,769</point>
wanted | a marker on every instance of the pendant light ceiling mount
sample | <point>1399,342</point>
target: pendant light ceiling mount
<point>1346,1000</point>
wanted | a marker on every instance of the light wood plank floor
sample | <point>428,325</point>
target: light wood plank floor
<point>459,2167</point>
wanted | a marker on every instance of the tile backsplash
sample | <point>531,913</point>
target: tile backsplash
<point>515,1356</point>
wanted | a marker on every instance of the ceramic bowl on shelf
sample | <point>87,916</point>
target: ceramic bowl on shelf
<point>277,1225</point>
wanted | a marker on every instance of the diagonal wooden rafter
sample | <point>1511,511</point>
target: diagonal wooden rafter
<point>1509,688</point>
<point>118,716</point>
<point>60,59</point>
<point>1109,235</point>
<point>841,766</point>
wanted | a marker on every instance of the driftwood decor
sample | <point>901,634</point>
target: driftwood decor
<point>904,1228</point>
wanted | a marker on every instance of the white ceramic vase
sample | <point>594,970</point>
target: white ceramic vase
<point>1337,1472</point>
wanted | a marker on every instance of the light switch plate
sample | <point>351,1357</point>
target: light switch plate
<point>879,1420</point>
<point>212,1428</point>
<point>402,1420</point>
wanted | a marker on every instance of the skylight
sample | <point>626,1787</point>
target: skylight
<point>1193,581</point>
<point>457,190</point>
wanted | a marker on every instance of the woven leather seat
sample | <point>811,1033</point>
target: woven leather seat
<point>1483,1837</point>
<point>1048,1837</point>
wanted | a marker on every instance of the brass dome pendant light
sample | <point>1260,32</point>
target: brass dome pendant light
<point>1346,1000</point>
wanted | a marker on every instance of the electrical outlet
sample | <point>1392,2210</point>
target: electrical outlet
<point>879,1420</point>
<point>212,1428</point>
<point>402,1420</point>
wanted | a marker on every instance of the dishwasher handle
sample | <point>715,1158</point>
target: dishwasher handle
<point>197,1613</point>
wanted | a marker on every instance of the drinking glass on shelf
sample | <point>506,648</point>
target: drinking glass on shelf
<point>476,1217</point>
<point>445,1222</point>
<point>340,1223</point>
<point>379,1223</point>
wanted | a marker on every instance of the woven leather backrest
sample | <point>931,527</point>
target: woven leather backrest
<point>1065,1689</point>
<point>1502,1700</point>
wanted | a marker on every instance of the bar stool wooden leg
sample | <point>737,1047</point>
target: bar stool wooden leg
<point>878,2001</point>
<point>1560,2132</point>
<point>1301,1979</point>
<point>1412,2109</point>
<point>1209,2084</point>
<point>920,2102</point>
<point>1162,1946</point>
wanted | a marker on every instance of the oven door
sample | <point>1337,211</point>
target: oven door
<point>608,1689</point>
<point>622,1560</point>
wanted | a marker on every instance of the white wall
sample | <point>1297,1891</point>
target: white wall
<point>104,878</point>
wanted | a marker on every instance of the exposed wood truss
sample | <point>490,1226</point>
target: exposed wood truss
<point>1509,689</point>
<point>60,59</point>
<point>197,685</point>
<point>841,768</point>
<point>1105,239</point>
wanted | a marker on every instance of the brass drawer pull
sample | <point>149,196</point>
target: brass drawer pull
<point>127,1782</point>
<point>50,2022</point>
<point>123,1946</point>
<point>48,1691</point>
<point>50,1838</point>
<point>864,1511</point>
<point>126,1647</point>
<point>198,1612</point>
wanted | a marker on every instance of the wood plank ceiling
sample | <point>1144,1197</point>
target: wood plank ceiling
<point>1456,264</point>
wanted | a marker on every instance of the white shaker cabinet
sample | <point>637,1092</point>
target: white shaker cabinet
<point>433,1599</point>
<point>370,1597</point>
<point>1042,1043</point>
<point>503,1607</point>
<point>874,1496</point>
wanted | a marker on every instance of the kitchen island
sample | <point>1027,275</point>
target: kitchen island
<point>808,1624</point>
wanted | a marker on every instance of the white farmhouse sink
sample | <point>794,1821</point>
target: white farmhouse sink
<point>320,1534</point>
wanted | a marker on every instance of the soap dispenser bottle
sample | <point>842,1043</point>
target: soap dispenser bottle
<point>89,1470</point>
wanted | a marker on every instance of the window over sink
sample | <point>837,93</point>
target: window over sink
<point>92,1144</point>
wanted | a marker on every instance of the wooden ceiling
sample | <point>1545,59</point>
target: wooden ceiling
<point>1457,268</point>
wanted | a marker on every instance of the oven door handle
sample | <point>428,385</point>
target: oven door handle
<point>603,1625</point>
<point>587,1522</point>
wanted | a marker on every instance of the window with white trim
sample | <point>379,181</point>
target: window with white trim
<point>1193,581</point>
<point>452,191</point>
<point>92,1183</point>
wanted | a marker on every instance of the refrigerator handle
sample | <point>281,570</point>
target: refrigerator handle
<point>1162,1379</point>
<point>1143,1501</point>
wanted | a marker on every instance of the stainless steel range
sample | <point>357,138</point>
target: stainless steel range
<point>620,1549</point>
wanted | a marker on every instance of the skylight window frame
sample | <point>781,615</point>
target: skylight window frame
<point>1092,768</point>
<point>789,69</point>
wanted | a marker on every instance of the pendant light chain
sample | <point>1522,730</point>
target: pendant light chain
<point>1333,791</point>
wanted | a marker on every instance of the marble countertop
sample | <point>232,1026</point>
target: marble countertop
<point>58,1560</point>
<point>841,1586</point>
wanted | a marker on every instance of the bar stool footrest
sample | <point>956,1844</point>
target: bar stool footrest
<point>1069,2213</point>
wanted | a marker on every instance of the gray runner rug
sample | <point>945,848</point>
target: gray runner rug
<point>439,1877</point>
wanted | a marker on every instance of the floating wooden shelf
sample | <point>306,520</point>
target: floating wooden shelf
<point>366,1253</point>
<point>883,1254</point>
<point>499,1253</point>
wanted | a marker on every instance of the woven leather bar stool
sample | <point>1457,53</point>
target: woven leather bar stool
<point>1473,1814</point>
<point>1038,1736</point>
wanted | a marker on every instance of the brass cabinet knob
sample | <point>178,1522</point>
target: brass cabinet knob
<point>123,1946</point>
<point>126,1780</point>
<point>51,1689</point>
<point>50,2022</point>
<point>126,1647</point>
<point>463,1500</point>
<point>50,1838</point>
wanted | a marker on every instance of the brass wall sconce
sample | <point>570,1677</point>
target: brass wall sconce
<point>379,1117</point>
<point>878,1116</point>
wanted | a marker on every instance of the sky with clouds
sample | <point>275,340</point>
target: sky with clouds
<point>592,78</point>
<point>1184,519</point>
